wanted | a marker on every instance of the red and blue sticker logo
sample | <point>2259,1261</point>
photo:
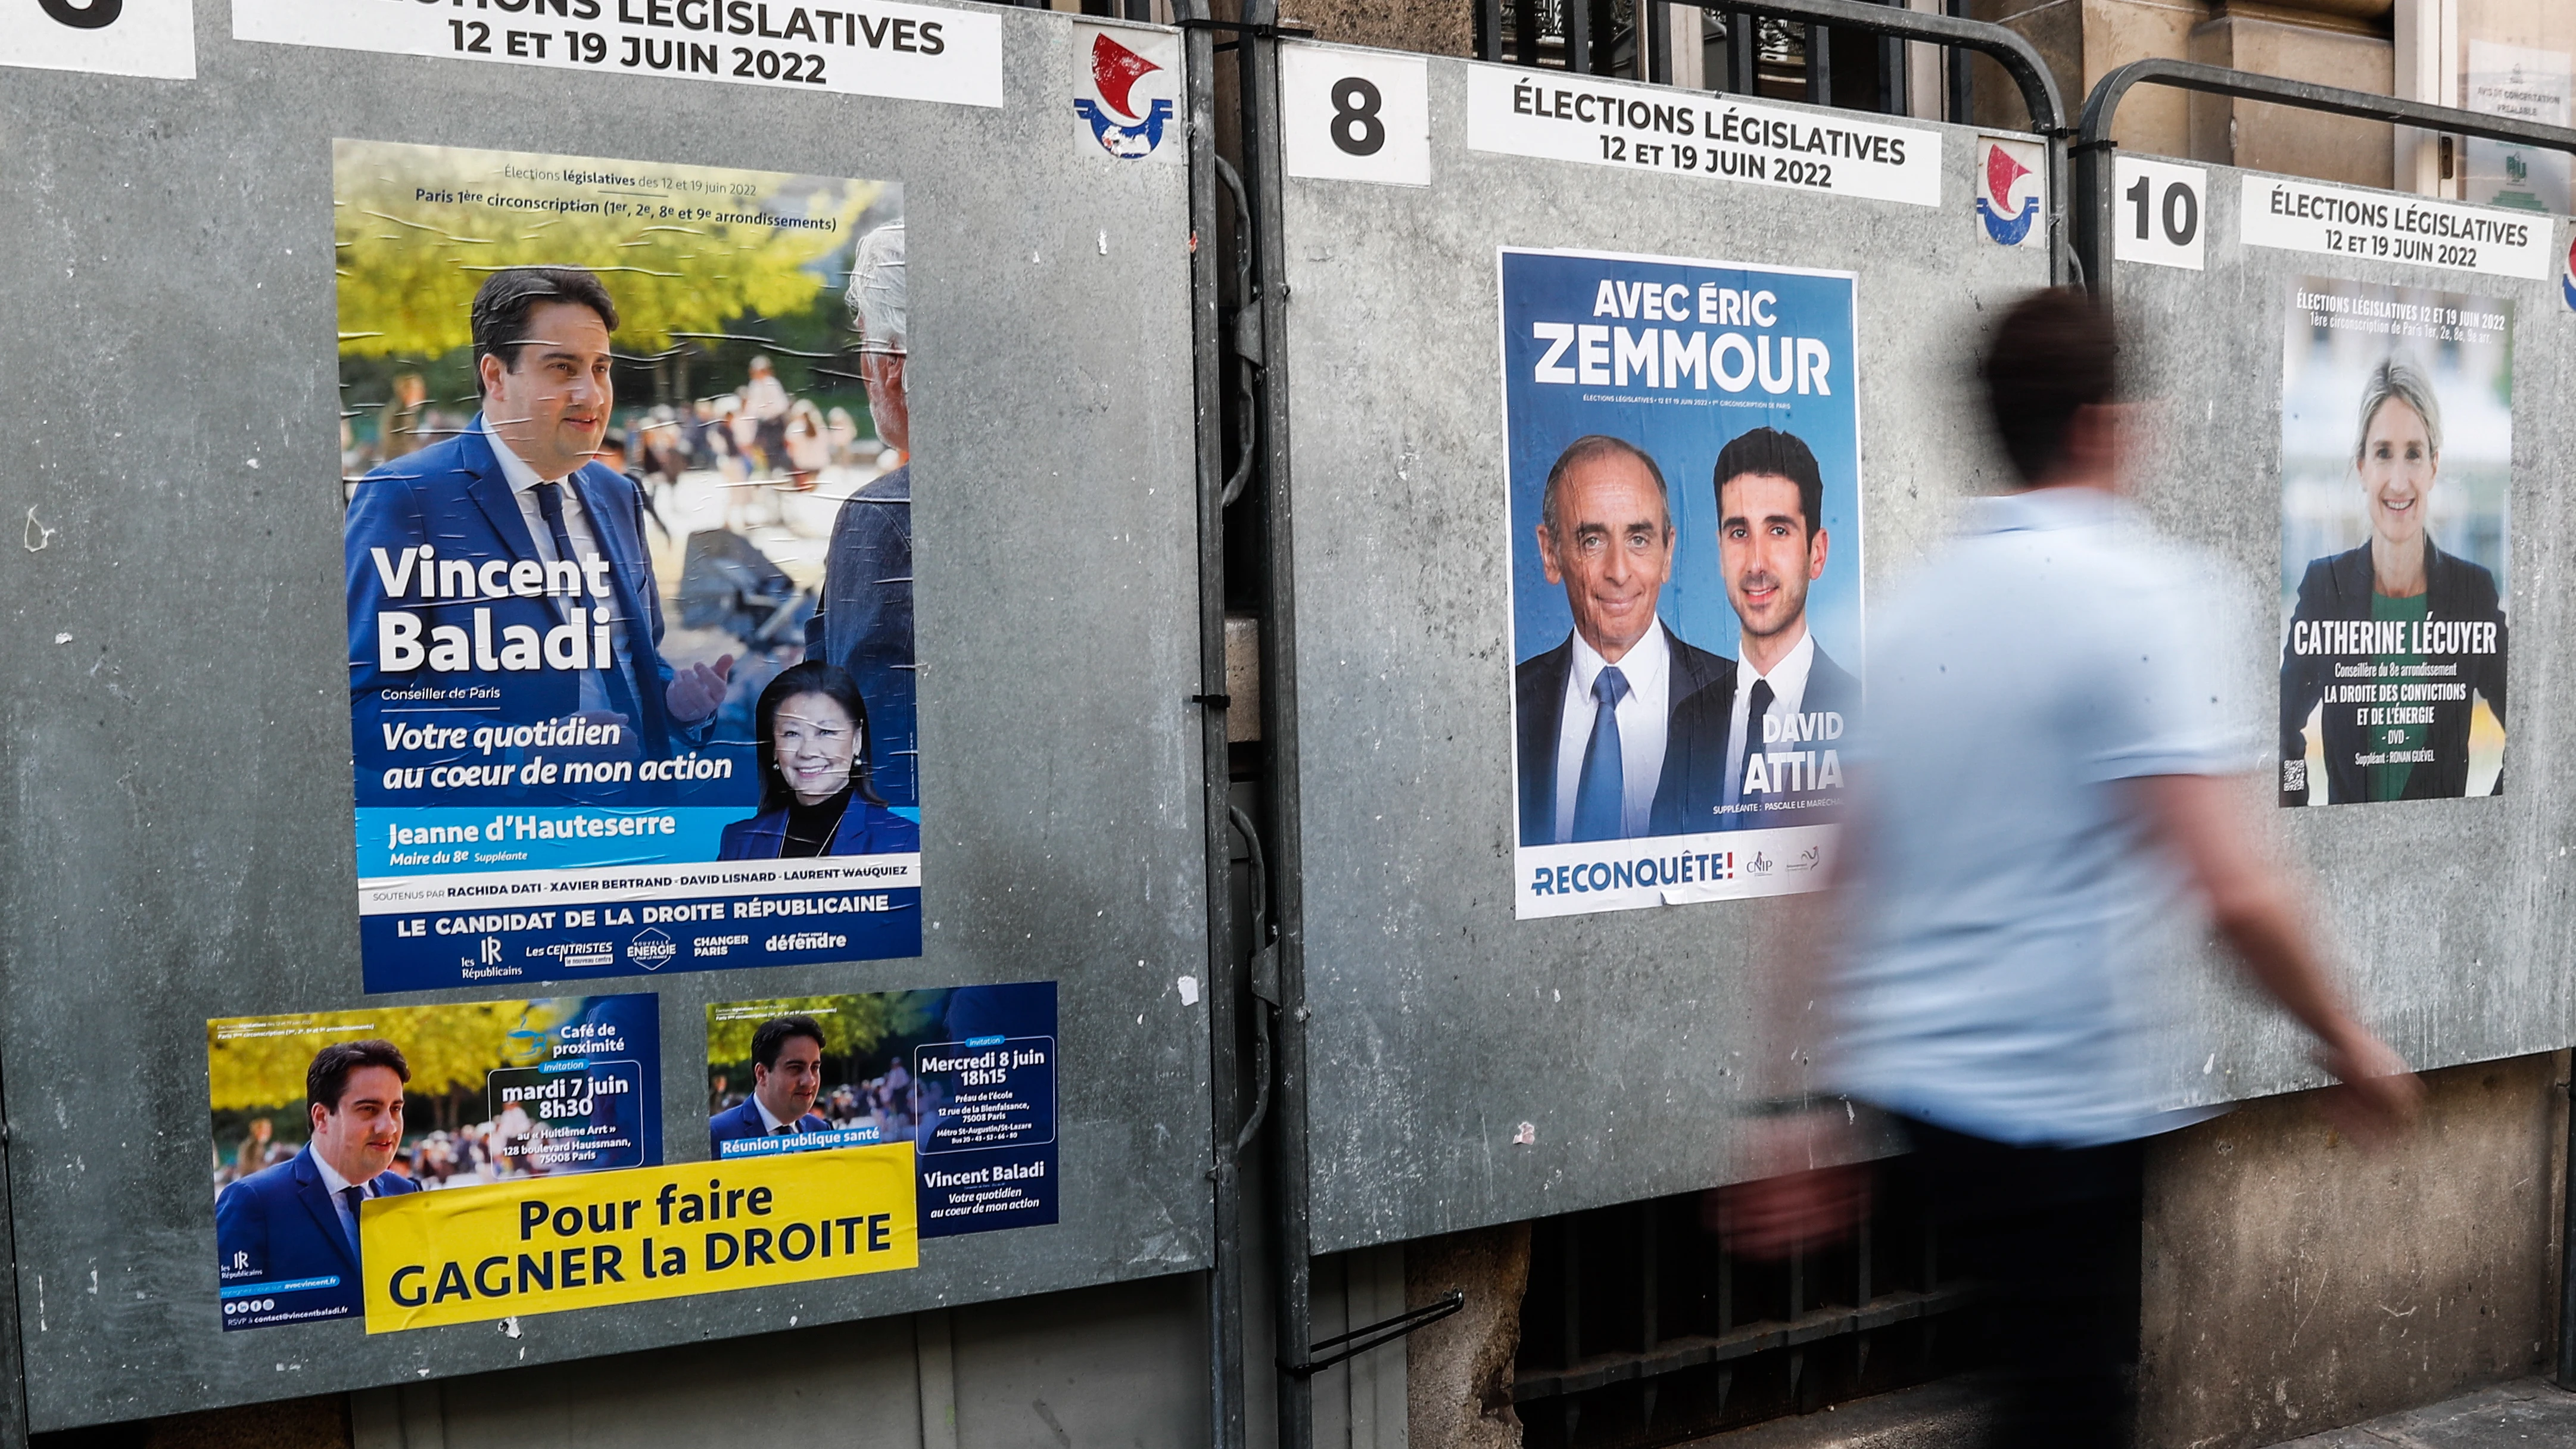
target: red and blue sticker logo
<point>1126,118</point>
<point>2011,192</point>
<point>2567,279</point>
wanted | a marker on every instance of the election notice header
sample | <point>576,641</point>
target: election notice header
<point>1530,113</point>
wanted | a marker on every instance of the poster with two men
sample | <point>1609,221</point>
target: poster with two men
<point>1684,479</point>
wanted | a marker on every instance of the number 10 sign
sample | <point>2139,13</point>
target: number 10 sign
<point>1355,115</point>
<point>2159,212</point>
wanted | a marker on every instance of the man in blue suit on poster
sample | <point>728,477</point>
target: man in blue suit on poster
<point>504,571</point>
<point>287,1236</point>
<point>786,1075</point>
<point>1765,751</point>
<point>1595,712</point>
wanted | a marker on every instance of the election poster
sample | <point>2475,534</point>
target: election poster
<point>311,1108</point>
<point>606,427</point>
<point>965,1075</point>
<point>631,1237</point>
<point>1685,526</point>
<point>2396,476</point>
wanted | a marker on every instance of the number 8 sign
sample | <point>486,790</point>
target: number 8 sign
<point>1355,115</point>
<point>155,38</point>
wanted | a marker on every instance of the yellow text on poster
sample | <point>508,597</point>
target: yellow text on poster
<point>474,1254</point>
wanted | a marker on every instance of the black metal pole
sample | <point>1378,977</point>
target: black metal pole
<point>1961,75</point>
<point>1208,363</point>
<point>1291,1242</point>
<point>1743,52</point>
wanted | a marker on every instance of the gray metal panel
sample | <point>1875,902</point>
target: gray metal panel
<point>2448,918</point>
<point>1439,1022</point>
<point>177,830</point>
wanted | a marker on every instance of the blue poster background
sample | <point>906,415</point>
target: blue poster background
<point>968,1074</point>
<point>1682,428</point>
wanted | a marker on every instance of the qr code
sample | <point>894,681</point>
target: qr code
<point>2294,774</point>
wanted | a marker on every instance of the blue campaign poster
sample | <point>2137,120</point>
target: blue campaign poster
<point>629,591</point>
<point>966,1074</point>
<point>310,1106</point>
<point>1685,530</point>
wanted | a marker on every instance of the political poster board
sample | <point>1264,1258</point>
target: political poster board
<point>195,790</point>
<point>1477,1051</point>
<point>2388,351</point>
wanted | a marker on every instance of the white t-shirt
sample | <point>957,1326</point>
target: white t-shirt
<point>2007,890</point>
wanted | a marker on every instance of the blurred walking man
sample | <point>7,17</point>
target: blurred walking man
<point>2046,748</point>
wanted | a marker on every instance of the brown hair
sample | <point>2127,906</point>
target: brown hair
<point>2054,355</point>
<point>327,1080</point>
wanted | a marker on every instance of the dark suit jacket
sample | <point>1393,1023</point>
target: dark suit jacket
<point>454,496</point>
<point>278,1225</point>
<point>1694,783</point>
<point>736,1123</point>
<point>2338,587</point>
<point>865,624</point>
<point>866,828</point>
<point>1538,707</point>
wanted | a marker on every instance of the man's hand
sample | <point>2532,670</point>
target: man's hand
<point>2379,1099</point>
<point>1793,1203</point>
<point>697,690</point>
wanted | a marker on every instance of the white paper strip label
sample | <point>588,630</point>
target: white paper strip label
<point>1688,133</point>
<point>2337,221</point>
<point>156,38</point>
<point>875,48</point>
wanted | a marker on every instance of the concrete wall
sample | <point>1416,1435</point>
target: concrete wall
<point>2296,1284</point>
<point>1114,1366</point>
<point>1460,1388</point>
<point>2264,137</point>
<point>1447,27</point>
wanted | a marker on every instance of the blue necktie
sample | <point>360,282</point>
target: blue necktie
<point>1605,779</point>
<point>353,1195</point>
<point>621,696</point>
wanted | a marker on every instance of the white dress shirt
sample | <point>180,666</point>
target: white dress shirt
<point>524,482</point>
<point>1788,690</point>
<point>334,1184</point>
<point>770,1122</point>
<point>1645,717</point>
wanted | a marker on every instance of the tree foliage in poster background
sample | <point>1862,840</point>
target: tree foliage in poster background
<point>409,266</point>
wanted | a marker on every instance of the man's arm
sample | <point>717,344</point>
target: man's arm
<point>2251,904</point>
<point>1803,1188</point>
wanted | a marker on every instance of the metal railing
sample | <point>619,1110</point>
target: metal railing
<point>2021,63</point>
<point>2094,151</point>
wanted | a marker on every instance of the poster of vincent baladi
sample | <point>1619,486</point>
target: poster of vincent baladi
<point>2396,474</point>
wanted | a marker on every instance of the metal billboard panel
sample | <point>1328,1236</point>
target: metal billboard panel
<point>178,838</point>
<point>2445,916</point>
<point>1465,1067</point>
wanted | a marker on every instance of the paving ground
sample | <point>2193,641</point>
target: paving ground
<point>2508,1416</point>
<point>2527,1412</point>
